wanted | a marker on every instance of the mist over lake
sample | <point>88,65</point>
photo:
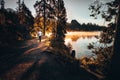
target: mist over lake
<point>80,40</point>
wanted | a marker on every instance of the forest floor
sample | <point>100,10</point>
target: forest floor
<point>28,61</point>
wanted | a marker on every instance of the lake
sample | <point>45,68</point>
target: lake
<point>80,41</point>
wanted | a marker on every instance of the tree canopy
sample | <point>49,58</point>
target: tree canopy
<point>15,25</point>
<point>51,11</point>
<point>112,12</point>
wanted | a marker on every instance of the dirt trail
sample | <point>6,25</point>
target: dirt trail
<point>31,61</point>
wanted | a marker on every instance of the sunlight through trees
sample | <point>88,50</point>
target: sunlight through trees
<point>51,16</point>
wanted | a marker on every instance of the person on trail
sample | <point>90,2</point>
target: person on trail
<point>40,35</point>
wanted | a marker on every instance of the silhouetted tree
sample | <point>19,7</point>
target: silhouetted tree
<point>54,12</point>
<point>26,19</point>
<point>113,10</point>
<point>115,66</point>
<point>61,20</point>
<point>42,11</point>
<point>9,31</point>
<point>2,4</point>
<point>15,25</point>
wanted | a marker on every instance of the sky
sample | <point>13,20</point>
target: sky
<point>76,9</point>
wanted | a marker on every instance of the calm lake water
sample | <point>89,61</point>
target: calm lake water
<point>80,41</point>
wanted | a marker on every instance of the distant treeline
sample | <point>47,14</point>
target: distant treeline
<point>76,26</point>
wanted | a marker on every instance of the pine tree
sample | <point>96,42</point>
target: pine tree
<point>61,20</point>
<point>52,11</point>
<point>115,66</point>
<point>2,4</point>
<point>113,11</point>
<point>26,19</point>
<point>41,11</point>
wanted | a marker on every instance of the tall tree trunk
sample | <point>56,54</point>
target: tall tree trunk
<point>44,18</point>
<point>19,2</point>
<point>115,62</point>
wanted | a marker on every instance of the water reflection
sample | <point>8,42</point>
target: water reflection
<point>80,41</point>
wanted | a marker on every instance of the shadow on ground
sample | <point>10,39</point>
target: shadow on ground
<point>16,64</point>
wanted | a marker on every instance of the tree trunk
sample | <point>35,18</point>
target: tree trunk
<point>115,62</point>
<point>44,18</point>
